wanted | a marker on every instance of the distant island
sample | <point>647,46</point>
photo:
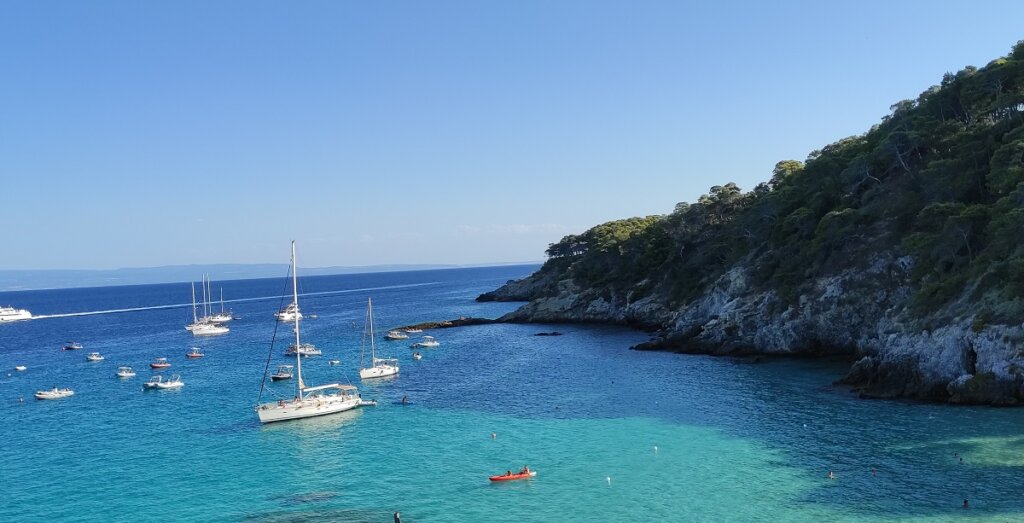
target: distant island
<point>20,280</point>
<point>901,248</point>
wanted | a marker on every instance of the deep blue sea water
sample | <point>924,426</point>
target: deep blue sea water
<point>615,435</point>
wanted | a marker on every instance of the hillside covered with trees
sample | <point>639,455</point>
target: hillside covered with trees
<point>915,228</point>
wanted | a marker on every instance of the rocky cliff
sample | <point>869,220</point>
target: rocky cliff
<point>860,313</point>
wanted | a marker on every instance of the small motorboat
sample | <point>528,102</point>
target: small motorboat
<point>284,372</point>
<point>335,362</point>
<point>306,349</point>
<point>519,475</point>
<point>54,394</point>
<point>413,331</point>
<point>158,382</point>
<point>428,341</point>
<point>289,313</point>
<point>72,345</point>
<point>416,355</point>
<point>94,356</point>
<point>196,352</point>
<point>125,371</point>
<point>160,363</point>
<point>396,335</point>
<point>20,368</point>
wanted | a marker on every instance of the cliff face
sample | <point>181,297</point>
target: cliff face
<point>899,248</point>
<point>859,313</point>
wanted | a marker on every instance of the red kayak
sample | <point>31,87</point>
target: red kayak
<point>506,477</point>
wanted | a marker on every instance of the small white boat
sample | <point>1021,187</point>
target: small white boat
<point>428,341</point>
<point>194,353</point>
<point>125,371</point>
<point>54,394</point>
<point>158,382</point>
<point>20,368</point>
<point>305,349</point>
<point>72,345</point>
<point>417,356</point>
<point>94,356</point>
<point>396,335</point>
<point>413,331</point>
<point>334,362</point>
<point>12,314</point>
<point>284,372</point>
<point>289,313</point>
<point>205,328</point>
<point>160,363</point>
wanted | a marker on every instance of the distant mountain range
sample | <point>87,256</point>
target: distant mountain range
<point>20,280</point>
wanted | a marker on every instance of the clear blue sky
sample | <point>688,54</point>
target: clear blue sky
<point>145,133</point>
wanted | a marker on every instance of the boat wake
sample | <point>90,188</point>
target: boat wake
<point>240,300</point>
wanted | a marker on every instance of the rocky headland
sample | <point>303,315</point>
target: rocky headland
<point>899,249</point>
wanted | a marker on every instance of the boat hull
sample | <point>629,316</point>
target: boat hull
<point>307,408</point>
<point>381,371</point>
<point>208,330</point>
<point>54,394</point>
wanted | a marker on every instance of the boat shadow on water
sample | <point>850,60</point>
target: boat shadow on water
<point>317,425</point>
<point>348,515</point>
<point>304,497</point>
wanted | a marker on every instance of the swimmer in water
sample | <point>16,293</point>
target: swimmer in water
<point>831,475</point>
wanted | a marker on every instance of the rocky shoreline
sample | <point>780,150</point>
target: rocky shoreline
<point>857,314</point>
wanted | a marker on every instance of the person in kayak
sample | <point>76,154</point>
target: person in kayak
<point>508,472</point>
<point>525,470</point>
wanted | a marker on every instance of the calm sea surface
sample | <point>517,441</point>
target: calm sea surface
<point>615,435</point>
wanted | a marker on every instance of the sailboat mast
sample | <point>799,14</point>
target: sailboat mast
<point>222,300</point>
<point>194,319</point>
<point>205,314</point>
<point>295,304</point>
<point>373,354</point>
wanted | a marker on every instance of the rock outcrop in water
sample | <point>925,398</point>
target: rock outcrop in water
<point>899,248</point>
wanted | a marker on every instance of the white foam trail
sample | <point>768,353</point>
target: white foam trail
<point>240,300</point>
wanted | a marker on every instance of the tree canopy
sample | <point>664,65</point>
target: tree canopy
<point>940,180</point>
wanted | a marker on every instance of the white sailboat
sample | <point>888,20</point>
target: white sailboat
<point>203,327</point>
<point>309,401</point>
<point>222,316</point>
<point>379,367</point>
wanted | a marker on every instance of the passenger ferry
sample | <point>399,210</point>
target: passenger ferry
<point>12,314</point>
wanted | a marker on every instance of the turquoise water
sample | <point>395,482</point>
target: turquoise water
<point>615,435</point>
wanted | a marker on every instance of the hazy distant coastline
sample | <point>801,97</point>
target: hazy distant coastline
<point>27,279</point>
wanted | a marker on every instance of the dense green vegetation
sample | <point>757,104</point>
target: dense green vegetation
<point>940,181</point>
